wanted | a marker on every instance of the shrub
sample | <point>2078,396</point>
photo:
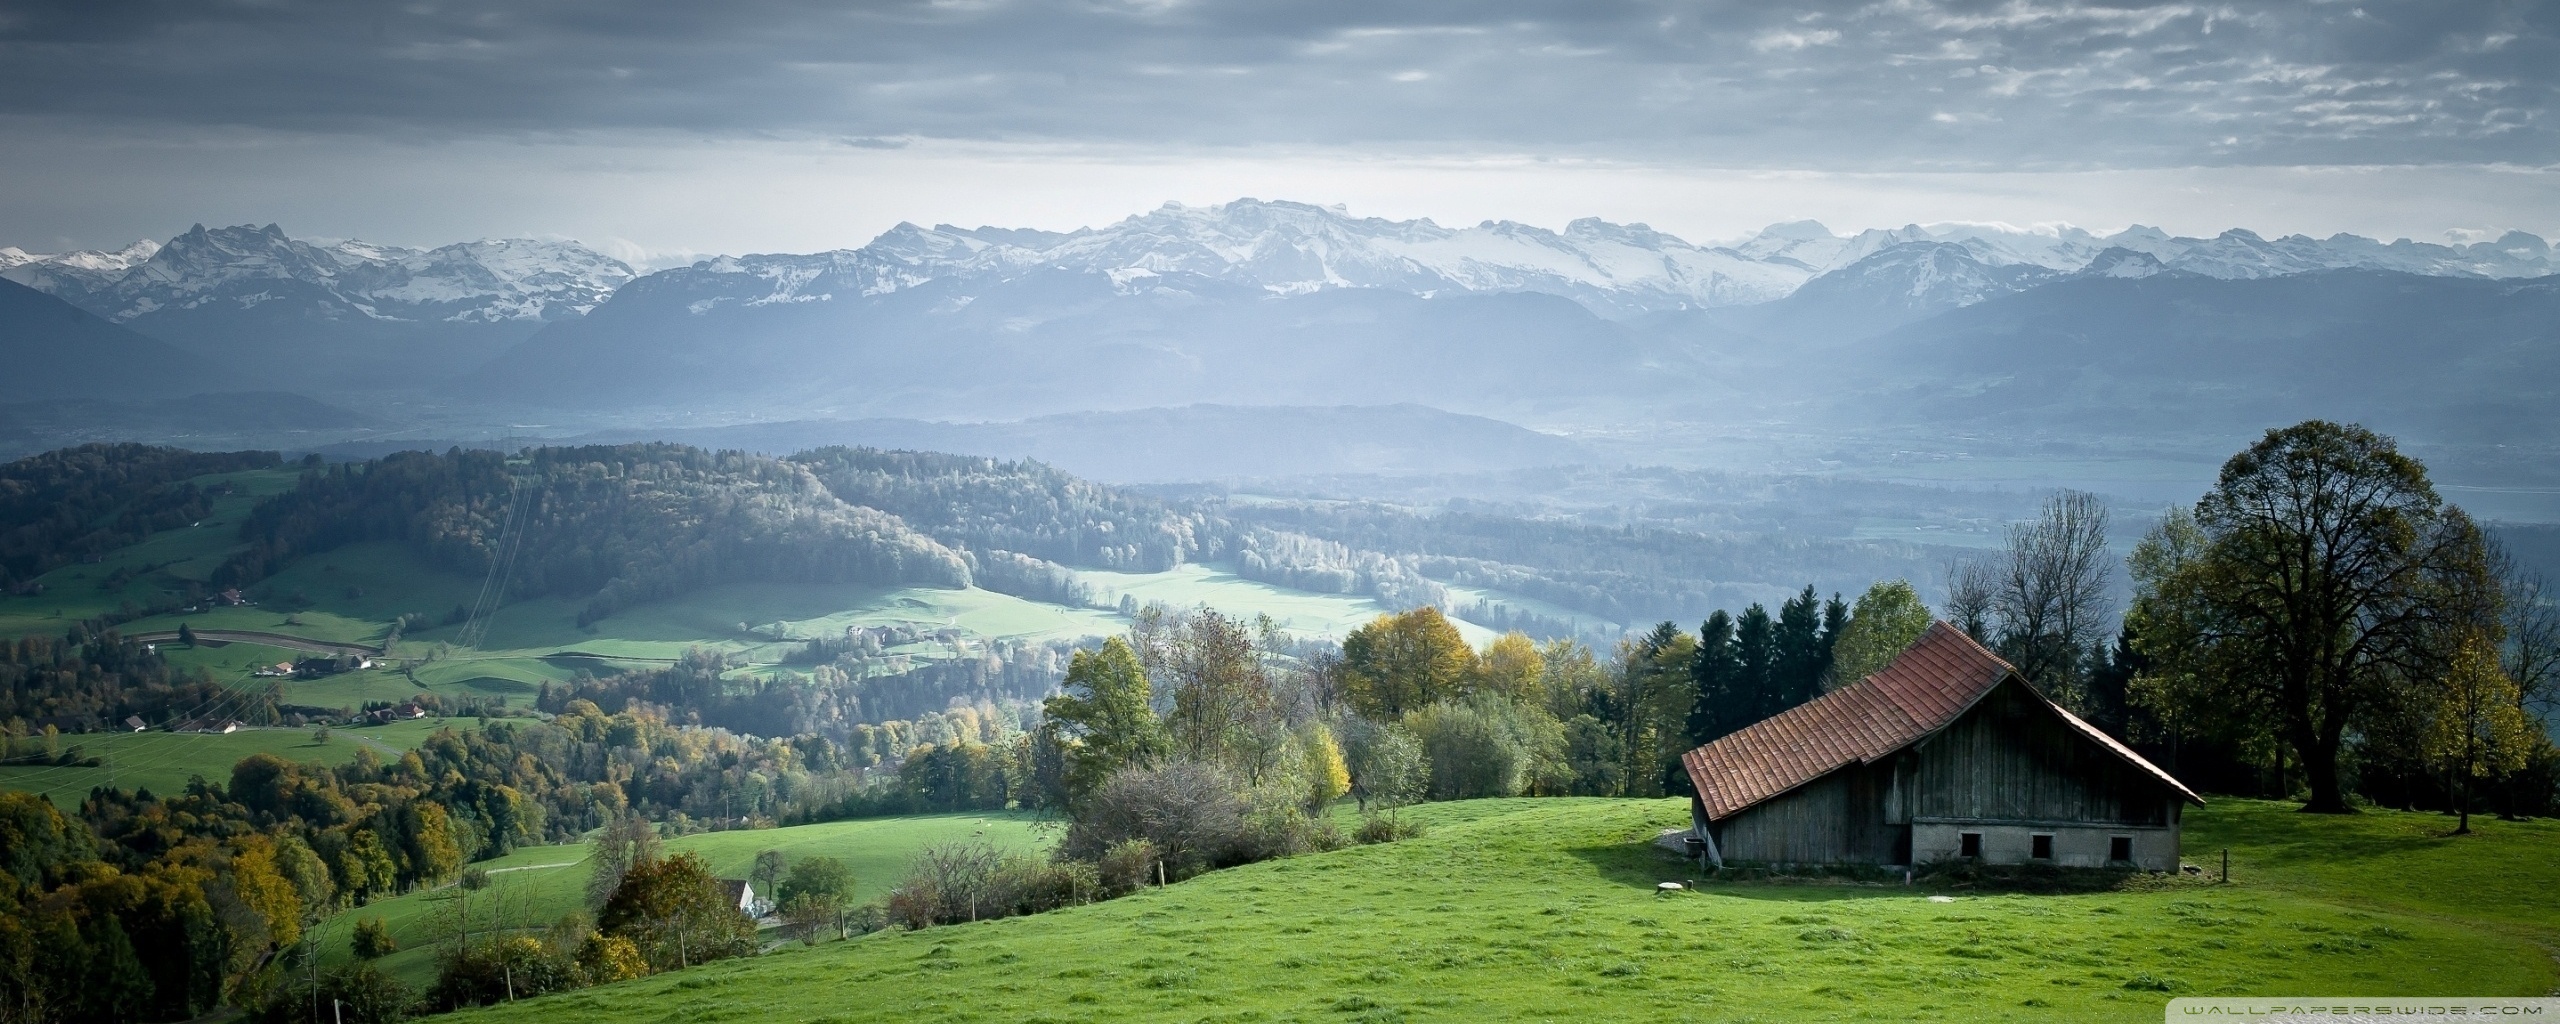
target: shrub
<point>1026,885</point>
<point>373,939</point>
<point>1280,828</point>
<point>676,914</point>
<point>1128,866</point>
<point>1379,828</point>
<point>495,970</point>
<point>610,958</point>
<point>1188,810</point>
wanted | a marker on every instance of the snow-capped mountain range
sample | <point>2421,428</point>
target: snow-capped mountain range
<point>471,282</point>
<point>1616,270</point>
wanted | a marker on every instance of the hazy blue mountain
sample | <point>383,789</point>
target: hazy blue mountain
<point>54,350</point>
<point>348,314</point>
<point>1060,340</point>
<point>1197,442</point>
<point>2457,360</point>
<point>1896,285</point>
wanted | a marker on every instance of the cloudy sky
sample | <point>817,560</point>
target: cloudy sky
<point>662,127</point>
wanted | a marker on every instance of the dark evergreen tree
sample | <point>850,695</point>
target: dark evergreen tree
<point>1835,617</point>
<point>1715,677</point>
<point>2110,676</point>
<point>1755,650</point>
<point>1796,676</point>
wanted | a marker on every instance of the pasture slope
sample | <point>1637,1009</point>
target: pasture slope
<point>1546,909</point>
<point>162,762</point>
<point>536,886</point>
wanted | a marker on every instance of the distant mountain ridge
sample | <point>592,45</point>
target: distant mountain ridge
<point>468,282</point>
<point>1617,270</point>
<point>349,314</point>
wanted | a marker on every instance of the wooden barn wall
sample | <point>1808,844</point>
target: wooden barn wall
<point>2009,759</point>
<point>1838,818</point>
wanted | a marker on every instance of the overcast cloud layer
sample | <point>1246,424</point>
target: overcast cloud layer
<point>1883,88</point>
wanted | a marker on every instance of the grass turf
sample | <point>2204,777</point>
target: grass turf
<point>536,886</point>
<point>1547,909</point>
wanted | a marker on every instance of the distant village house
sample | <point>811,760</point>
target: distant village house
<point>1947,753</point>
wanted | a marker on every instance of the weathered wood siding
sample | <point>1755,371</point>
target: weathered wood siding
<point>1836,819</point>
<point>2008,759</point>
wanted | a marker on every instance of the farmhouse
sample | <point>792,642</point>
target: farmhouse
<point>1945,753</point>
<point>741,894</point>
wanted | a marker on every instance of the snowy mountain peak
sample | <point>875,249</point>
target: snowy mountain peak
<point>2118,261</point>
<point>488,281</point>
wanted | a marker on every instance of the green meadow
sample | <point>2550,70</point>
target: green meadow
<point>1547,909</point>
<point>533,887</point>
<point>162,762</point>
<point>1297,611</point>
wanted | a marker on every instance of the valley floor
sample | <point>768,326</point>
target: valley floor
<point>1547,909</point>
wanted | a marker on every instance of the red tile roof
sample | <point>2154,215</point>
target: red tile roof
<point>1923,690</point>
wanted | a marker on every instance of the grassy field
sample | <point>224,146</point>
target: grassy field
<point>1547,910</point>
<point>536,886</point>
<point>76,591</point>
<point>163,761</point>
<point>1297,611</point>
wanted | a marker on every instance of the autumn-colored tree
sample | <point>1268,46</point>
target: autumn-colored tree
<point>1327,774</point>
<point>676,913</point>
<point>372,940</point>
<point>1513,667</point>
<point>1399,663</point>
<point>264,890</point>
<point>2479,730</point>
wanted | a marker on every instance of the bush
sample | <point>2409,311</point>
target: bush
<point>373,939</point>
<point>496,970</point>
<point>610,958</point>
<point>1278,827</point>
<point>1483,746</point>
<point>361,992</point>
<point>1128,866</point>
<point>1026,885</point>
<point>1188,810</point>
<point>1379,828</point>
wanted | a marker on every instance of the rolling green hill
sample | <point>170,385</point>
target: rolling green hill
<point>1547,909</point>
<point>535,886</point>
<point>163,761</point>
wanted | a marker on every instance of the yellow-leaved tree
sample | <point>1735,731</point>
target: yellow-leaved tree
<point>1400,663</point>
<point>1513,667</point>
<point>1328,776</point>
<point>2479,731</point>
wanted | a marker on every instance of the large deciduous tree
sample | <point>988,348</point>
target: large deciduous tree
<point>1107,714</point>
<point>2320,574</point>
<point>1401,663</point>
<point>1886,619</point>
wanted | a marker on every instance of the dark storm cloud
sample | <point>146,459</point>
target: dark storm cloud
<point>1894,84</point>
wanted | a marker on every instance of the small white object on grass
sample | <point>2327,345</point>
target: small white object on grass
<point>1942,899</point>
<point>1670,887</point>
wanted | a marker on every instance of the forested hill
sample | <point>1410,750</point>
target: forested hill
<point>63,505</point>
<point>615,526</point>
<point>987,504</point>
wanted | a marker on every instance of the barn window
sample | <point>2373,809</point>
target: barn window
<point>2120,848</point>
<point>2040,846</point>
<point>1969,844</point>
